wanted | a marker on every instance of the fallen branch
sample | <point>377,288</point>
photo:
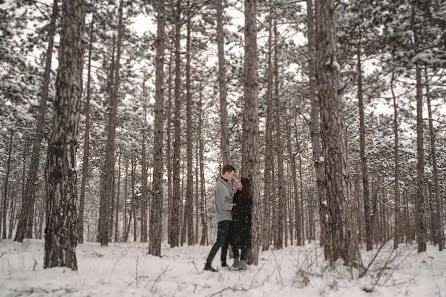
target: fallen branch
<point>158,278</point>
<point>278,268</point>
<point>195,266</point>
<point>227,289</point>
<point>255,275</point>
<point>373,259</point>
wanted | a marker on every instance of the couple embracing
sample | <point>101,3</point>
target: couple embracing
<point>233,215</point>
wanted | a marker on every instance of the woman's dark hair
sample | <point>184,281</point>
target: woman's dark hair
<point>246,183</point>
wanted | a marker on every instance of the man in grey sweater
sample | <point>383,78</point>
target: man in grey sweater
<point>223,215</point>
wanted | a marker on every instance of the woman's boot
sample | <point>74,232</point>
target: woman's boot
<point>236,264</point>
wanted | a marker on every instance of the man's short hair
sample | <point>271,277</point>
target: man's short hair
<point>227,168</point>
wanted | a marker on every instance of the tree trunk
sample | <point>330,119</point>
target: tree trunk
<point>315,132</point>
<point>175,214</point>
<point>358,217</point>
<point>108,168</point>
<point>5,187</point>
<point>61,193</point>
<point>289,187</point>
<point>183,220</point>
<point>117,198</point>
<point>332,129</point>
<point>224,139</point>
<point>438,220</point>
<point>144,190</point>
<point>124,229</point>
<point>272,235</point>
<point>362,152</point>
<point>268,144</point>
<point>197,218</point>
<point>86,155</point>
<point>169,149</point>
<point>12,207</point>
<point>135,221</point>
<point>251,126</point>
<point>112,206</point>
<point>204,226</point>
<point>25,154</point>
<point>301,220</point>
<point>279,149</point>
<point>132,197</point>
<point>189,204</point>
<point>297,211</point>
<point>397,233</point>
<point>374,215</point>
<point>419,204</point>
<point>156,215</point>
<point>24,228</point>
<point>406,216</point>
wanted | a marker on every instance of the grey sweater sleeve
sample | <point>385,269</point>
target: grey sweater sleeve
<point>222,200</point>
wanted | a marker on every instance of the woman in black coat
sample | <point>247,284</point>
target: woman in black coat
<point>241,226</point>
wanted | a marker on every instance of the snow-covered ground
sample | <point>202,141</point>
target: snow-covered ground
<point>127,270</point>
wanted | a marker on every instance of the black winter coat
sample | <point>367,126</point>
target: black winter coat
<point>241,216</point>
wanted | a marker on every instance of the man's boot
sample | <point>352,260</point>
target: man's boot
<point>208,267</point>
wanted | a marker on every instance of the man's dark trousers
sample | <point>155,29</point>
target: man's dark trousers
<point>224,228</point>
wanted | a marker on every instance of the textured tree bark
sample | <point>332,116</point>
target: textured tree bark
<point>196,194</point>
<point>41,217</point>
<point>61,193</point>
<point>374,215</point>
<point>175,214</point>
<point>268,141</point>
<point>297,211</point>
<point>117,198</point>
<point>419,202</point>
<point>291,210</point>
<point>25,154</point>
<point>112,206</point>
<point>132,198</point>
<point>24,228</point>
<point>315,132</point>
<point>438,220</point>
<point>251,126</point>
<point>189,205</point>
<point>109,164</point>
<point>289,183</point>
<point>12,208</point>
<point>279,149</point>
<point>135,220</point>
<point>86,154</point>
<point>169,148</point>
<point>272,235</point>
<point>332,129</point>
<point>5,187</point>
<point>397,233</point>
<point>124,229</point>
<point>144,189</point>
<point>204,229</point>
<point>183,220</point>
<point>301,220</point>
<point>156,216</point>
<point>224,136</point>
<point>406,225</point>
<point>362,152</point>
<point>358,218</point>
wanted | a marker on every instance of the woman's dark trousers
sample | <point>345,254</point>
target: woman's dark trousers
<point>244,254</point>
